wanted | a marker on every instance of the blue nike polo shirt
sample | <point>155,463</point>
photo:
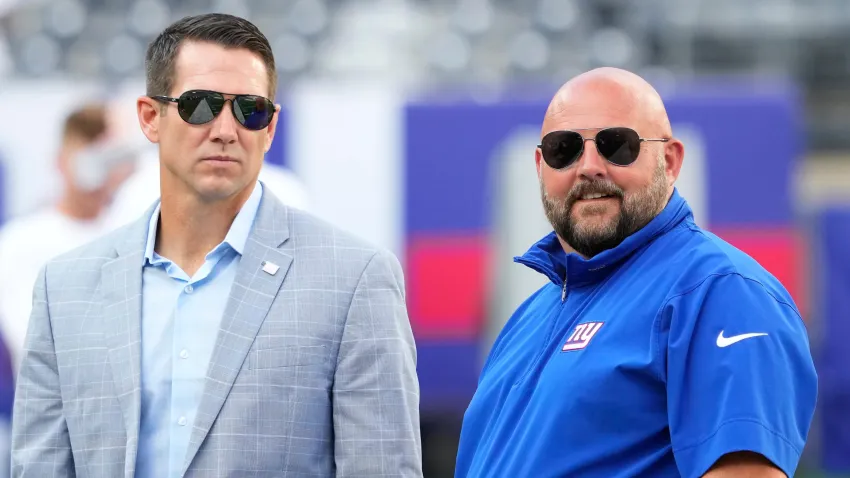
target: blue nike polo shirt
<point>652,359</point>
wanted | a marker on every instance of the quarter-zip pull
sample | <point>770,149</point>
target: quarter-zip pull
<point>564,291</point>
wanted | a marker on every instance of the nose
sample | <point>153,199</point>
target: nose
<point>224,128</point>
<point>591,165</point>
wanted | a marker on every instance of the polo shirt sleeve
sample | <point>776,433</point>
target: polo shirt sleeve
<point>728,390</point>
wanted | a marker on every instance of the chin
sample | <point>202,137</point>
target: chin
<point>596,221</point>
<point>597,231</point>
<point>215,189</point>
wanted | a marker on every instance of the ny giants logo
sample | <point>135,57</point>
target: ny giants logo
<point>581,336</point>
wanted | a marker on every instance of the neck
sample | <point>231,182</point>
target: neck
<point>189,228</point>
<point>567,247</point>
<point>79,207</point>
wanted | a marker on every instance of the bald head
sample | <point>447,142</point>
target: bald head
<point>608,97</point>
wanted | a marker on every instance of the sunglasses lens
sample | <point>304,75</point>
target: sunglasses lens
<point>253,112</point>
<point>620,146</point>
<point>199,107</point>
<point>561,148</point>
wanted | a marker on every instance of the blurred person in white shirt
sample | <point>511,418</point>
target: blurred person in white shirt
<point>89,178</point>
<point>6,60</point>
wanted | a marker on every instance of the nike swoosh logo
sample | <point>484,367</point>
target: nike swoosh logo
<point>727,341</point>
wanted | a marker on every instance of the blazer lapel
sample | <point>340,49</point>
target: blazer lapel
<point>259,276</point>
<point>121,283</point>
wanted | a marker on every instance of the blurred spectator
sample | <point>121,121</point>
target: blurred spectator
<point>6,62</point>
<point>92,168</point>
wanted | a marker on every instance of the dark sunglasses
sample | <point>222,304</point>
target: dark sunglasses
<point>202,106</point>
<point>620,146</point>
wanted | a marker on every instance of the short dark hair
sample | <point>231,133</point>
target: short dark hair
<point>225,30</point>
<point>87,123</point>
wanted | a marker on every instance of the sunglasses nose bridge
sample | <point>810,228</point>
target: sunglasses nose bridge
<point>584,148</point>
<point>228,99</point>
<point>225,124</point>
<point>590,163</point>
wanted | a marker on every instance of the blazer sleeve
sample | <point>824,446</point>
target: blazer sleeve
<point>376,389</point>
<point>41,446</point>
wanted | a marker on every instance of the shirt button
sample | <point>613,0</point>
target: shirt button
<point>182,421</point>
<point>184,354</point>
<point>189,289</point>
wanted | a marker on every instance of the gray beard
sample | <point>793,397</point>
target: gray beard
<point>636,211</point>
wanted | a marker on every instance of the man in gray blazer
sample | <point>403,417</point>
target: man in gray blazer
<point>223,333</point>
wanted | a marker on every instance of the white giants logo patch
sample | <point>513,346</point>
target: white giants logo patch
<point>581,336</point>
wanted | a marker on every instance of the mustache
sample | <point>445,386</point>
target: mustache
<point>606,188</point>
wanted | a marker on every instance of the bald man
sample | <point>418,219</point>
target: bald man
<point>656,349</point>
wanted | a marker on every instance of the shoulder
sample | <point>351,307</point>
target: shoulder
<point>81,266</point>
<point>697,259</point>
<point>314,238</point>
<point>308,230</point>
<point>711,280</point>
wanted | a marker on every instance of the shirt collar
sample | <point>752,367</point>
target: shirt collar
<point>237,235</point>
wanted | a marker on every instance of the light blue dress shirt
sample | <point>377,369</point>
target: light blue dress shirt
<point>180,321</point>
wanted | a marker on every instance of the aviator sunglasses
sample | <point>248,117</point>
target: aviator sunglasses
<point>201,106</point>
<point>620,146</point>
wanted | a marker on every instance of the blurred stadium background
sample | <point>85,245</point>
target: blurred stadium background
<point>413,123</point>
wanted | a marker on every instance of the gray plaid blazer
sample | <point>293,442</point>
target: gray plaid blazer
<point>313,372</point>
